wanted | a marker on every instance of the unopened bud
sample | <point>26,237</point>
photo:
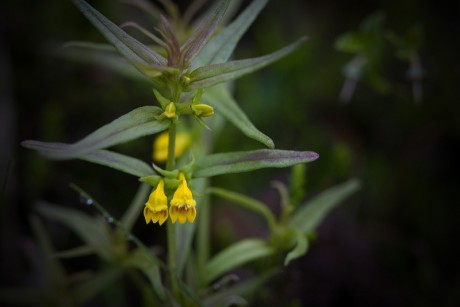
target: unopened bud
<point>202,110</point>
<point>170,110</point>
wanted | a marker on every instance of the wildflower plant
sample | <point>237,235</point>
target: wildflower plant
<point>189,71</point>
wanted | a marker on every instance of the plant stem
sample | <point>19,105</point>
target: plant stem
<point>171,162</point>
<point>171,231</point>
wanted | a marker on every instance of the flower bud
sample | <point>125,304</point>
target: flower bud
<point>202,110</point>
<point>170,110</point>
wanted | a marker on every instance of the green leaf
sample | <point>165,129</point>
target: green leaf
<point>234,256</point>
<point>217,73</point>
<point>119,162</point>
<point>143,261</point>
<point>220,48</point>
<point>219,96</point>
<point>201,35</point>
<point>54,273</point>
<point>91,230</point>
<point>98,282</point>
<point>351,42</point>
<point>243,161</point>
<point>132,213</point>
<point>137,123</point>
<point>299,250</point>
<point>248,203</point>
<point>220,298</point>
<point>130,48</point>
<point>79,251</point>
<point>310,215</point>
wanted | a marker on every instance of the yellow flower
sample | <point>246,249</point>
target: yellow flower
<point>160,146</point>
<point>156,208</point>
<point>182,204</point>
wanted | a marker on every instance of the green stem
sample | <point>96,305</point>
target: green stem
<point>171,231</point>
<point>171,162</point>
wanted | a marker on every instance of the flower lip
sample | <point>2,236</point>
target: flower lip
<point>182,204</point>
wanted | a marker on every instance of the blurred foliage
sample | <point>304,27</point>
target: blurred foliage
<point>393,245</point>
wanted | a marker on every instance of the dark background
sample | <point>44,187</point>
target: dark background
<point>394,243</point>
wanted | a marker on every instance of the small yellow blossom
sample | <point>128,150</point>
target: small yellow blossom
<point>160,146</point>
<point>182,204</point>
<point>202,110</point>
<point>156,208</point>
<point>170,110</point>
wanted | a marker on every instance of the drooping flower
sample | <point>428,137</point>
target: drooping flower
<point>156,208</point>
<point>182,204</point>
<point>160,146</point>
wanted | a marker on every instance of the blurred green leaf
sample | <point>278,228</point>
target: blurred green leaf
<point>119,162</point>
<point>234,256</point>
<point>79,251</point>
<point>300,248</point>
<point>220,297</point>
<point>310,215</point>
<point>93,231</point>
<point>143,261</point>
<point>297,185</point>
<point>220,48</point>
<point>132,213</point>
<point>137,123</point>
<point>98,282</point>
<point>243,161</point>
<point>213,74</point>
<point>248,203</point>
<point>350,42</point>
<point>130,48</point>
<point>219,96</point>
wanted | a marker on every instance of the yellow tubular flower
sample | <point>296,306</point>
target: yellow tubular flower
<point>160,146</point>
<point>156,208</point>
<point>182,204</point>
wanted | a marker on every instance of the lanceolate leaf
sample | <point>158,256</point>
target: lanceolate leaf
<point>119,162</point>
<point>220,48</point>
<point>223,296</point>
<point>204,31</point>
<point>300,248</point>
<point>129,47</point>
<point>216,73</point>
<point>224,104</point>
<point>310,215</point>
<point>90,229</point>
<point>141,260</point>
<point>234,256</point>
<point>135,124</point>
<point>243,161</point>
